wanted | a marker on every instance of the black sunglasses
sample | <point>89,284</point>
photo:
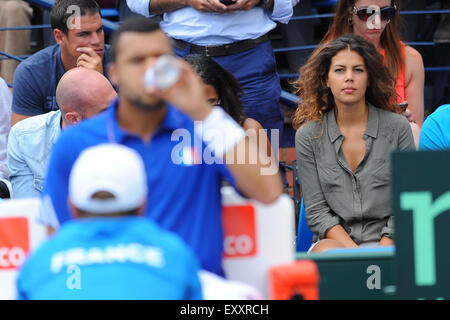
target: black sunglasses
<point>386,13</point>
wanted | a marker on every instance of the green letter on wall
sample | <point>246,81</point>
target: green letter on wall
<point>424,212</point>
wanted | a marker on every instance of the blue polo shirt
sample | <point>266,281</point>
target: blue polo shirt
<point>36,79</point>
<point>435,132</point>
<point>184,198</point>
<point>111,258</point>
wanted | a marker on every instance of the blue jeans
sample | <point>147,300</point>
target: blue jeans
<point>256,70</point>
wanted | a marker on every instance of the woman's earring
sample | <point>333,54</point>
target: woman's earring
<point>350,21</point>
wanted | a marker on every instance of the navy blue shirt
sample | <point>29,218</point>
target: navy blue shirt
<point>184,198</point>
<point>111,258</point>
<point>36,79</point>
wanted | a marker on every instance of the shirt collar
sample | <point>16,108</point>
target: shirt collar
<point>173,120</point>
<point>54,121</point>
<point>372,124</point>
<point>332,127</point>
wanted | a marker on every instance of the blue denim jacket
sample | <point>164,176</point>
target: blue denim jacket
<point>29,145</point>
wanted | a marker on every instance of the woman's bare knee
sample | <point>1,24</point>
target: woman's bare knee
<point>326,244</point>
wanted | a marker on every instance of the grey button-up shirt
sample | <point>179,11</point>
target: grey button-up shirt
<point>332,193</point>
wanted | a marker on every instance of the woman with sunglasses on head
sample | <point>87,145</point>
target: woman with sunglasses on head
<point>378,22</point>
<point>223,89</point>
<point>346,132</point>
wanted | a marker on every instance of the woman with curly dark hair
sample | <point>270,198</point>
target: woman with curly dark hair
<point>378,22</point>
<point>346,132</point>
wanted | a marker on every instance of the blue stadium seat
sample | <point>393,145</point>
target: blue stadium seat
<point>304,234</point>
<point>109,13</point>
<point>324,3</point>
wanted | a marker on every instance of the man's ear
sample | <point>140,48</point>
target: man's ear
<point>59,36</point>
<point>72,117</point>
<point>112,73</point>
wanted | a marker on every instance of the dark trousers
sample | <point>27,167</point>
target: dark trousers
<point>256,70</point>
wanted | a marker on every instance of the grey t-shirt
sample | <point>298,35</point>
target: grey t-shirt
<point>332,193</point>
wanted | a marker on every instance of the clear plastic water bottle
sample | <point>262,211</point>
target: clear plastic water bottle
<point>163,74</point>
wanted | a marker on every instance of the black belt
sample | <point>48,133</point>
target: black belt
<point>221,50</point>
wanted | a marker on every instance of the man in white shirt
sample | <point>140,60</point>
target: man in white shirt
<point>234,33</point>
<point>81,93</point>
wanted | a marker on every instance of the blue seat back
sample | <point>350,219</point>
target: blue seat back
<point>304,234</point>
<point>324,3</point>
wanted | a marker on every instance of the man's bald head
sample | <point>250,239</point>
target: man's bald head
<point>82,93</point>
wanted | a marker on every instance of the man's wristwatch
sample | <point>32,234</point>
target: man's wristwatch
<point>263,3</point>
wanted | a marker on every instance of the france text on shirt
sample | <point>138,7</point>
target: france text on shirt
<point>120,253</point>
